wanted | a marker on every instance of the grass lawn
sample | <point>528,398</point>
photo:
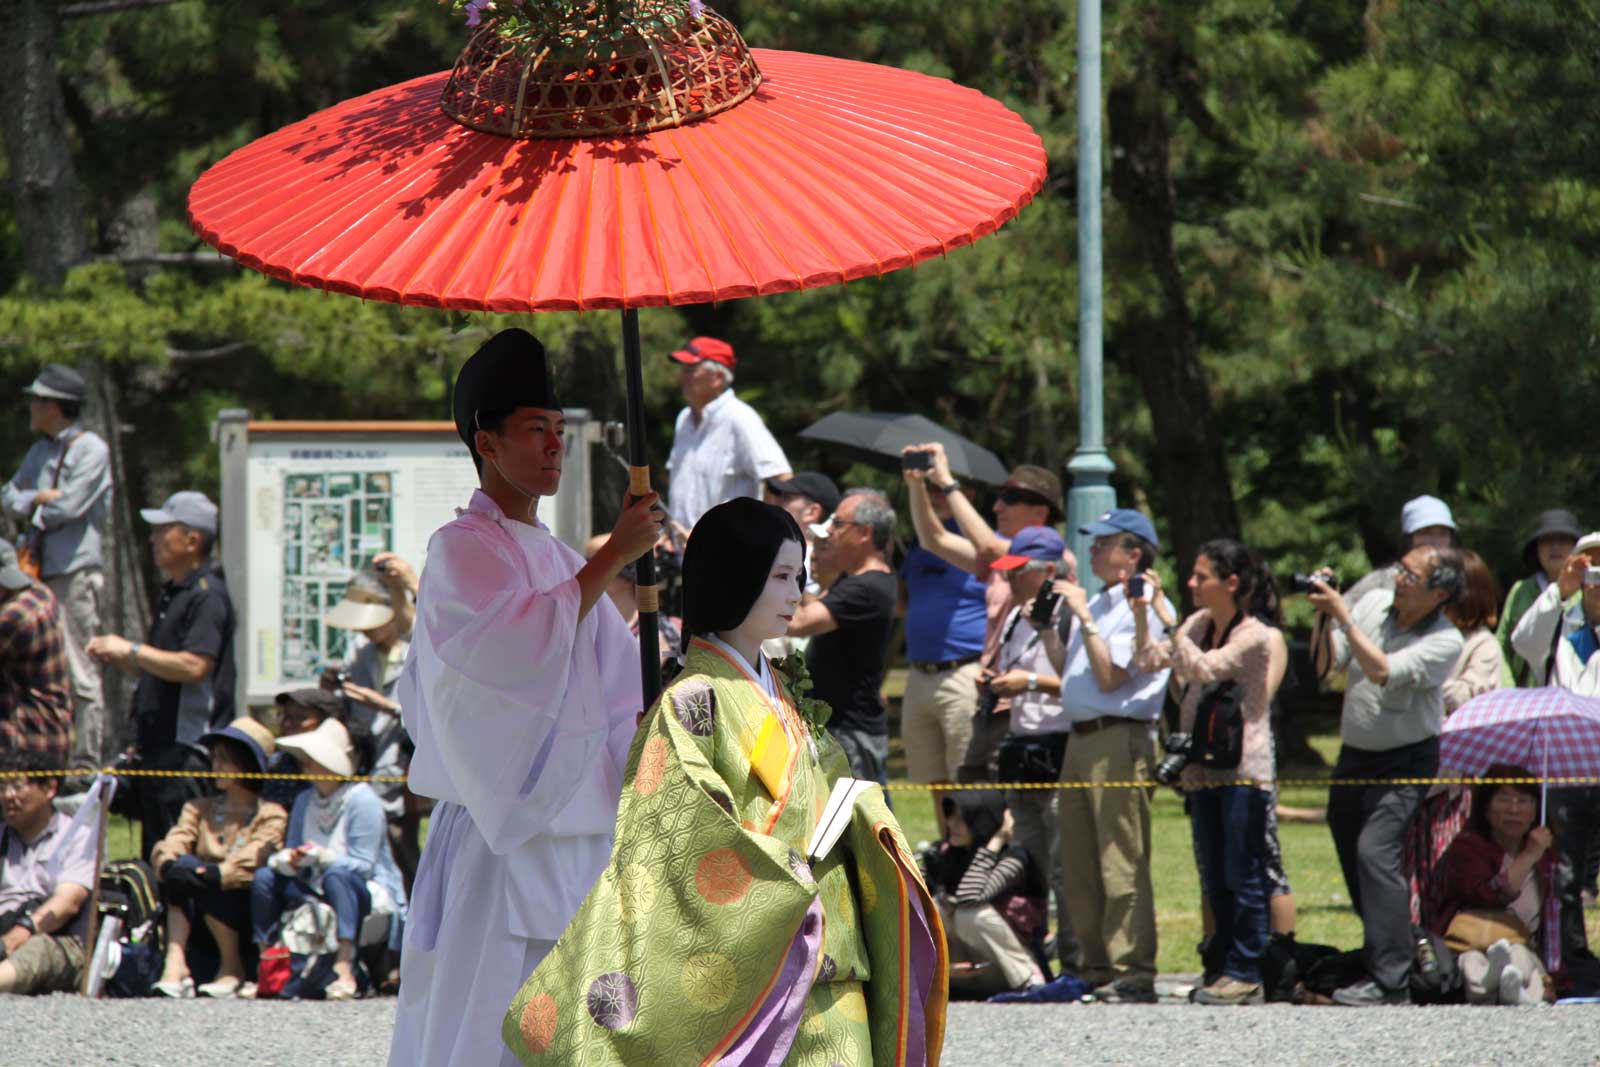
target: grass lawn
<point>1308,856</point>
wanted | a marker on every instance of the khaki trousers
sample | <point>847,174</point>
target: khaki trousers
<point>79,594</point>
<point>980,934</point>
<point>1105,854</point>
<point>936,721</point>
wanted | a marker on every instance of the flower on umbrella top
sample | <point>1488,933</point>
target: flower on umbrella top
<point>475,10</point>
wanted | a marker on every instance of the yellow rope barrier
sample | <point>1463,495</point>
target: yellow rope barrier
<point>900,787</point>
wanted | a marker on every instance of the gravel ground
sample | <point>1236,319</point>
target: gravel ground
<point>71,1030</point>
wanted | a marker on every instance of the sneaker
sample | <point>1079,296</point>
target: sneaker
<point>1228,991</point>
<point>182,989</point>
<point>1126,991</point>
<point>246,991</point>
<point>1511,984</point>
<point>1370,994</point>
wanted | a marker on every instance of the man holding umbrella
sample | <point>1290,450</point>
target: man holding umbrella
<point>521,692</point>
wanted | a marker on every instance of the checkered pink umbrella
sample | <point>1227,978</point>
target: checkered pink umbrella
<point>1550,731</point>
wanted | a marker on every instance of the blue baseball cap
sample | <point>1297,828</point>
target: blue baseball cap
<point>1122,520</point>
<point>1031,543</point>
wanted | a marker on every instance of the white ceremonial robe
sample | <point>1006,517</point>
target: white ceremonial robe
<point>522,718</point>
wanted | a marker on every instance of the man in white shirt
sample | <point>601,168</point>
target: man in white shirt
<point>1105,833</point>
<point>720,447</point>
<point>521,692</point>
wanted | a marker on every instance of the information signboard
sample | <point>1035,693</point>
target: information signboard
<point>307,504</point>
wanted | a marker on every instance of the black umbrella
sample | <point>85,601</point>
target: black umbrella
<point>877,438</point>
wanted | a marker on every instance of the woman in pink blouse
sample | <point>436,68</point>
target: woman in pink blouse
<point>1228,659</point>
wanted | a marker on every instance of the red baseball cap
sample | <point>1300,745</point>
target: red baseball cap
<point>705,348</point>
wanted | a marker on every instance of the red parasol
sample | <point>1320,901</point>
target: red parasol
<point>678,170</point>
<point>803,184</point>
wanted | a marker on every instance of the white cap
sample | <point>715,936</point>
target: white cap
<point>821,530</point>
<point>1587,542</point>
<point>1423,512</point>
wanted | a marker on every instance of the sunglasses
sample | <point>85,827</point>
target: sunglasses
<point>1022,496</point>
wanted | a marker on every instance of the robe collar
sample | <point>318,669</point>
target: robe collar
<point>531,536</point>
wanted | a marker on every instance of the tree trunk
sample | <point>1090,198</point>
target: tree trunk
<point>38,143</point>
<point>1162,348</point>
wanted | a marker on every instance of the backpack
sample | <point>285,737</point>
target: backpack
<point>129,890</point>
<point>1286,964</point>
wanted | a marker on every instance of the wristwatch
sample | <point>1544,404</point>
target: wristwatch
<point>1033,682</point>
<point>25,920</point>
<point>1089,628</point>
<point>952,486</point>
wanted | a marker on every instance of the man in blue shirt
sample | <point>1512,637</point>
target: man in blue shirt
<point>946,620</point>
<point>62,496</point>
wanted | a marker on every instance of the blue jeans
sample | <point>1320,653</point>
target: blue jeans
<point>1230,828</point>
<point>868,753</point>
<point>272,894</point>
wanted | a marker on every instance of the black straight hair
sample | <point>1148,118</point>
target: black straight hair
<point>1257,593</point>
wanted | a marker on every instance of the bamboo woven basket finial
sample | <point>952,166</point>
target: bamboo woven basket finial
<point>588,83</point>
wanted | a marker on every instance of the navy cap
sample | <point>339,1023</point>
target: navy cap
<point>812,485</point>
<point>1122,520</point>
<point>1031,543</point>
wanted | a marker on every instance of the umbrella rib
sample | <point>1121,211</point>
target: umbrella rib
<point>746,133</point>
<point>655,232</point>
<point>587,207</point>
<point>716,215</point>
<point>759,224</point>
<point>694,237</point>
<point>549,235</point>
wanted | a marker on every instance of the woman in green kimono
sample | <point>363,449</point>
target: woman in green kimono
<point>712,938</point>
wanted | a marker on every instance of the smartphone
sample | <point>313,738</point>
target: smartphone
<point>1591,576</point>
<point>916,461</point>
<point>1044,605</point>
<point>1136,586</point>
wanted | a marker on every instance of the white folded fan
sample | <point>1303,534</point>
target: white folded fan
<point>836,816</point>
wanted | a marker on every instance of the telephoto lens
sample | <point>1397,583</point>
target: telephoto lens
<point>1176,759</point>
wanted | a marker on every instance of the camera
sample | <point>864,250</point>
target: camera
<point>988,700</point>
<point>921,460</point>
<point>1176,759</point>
<point>1044,605</point>
<point>1301,583</point>
<point>1591,576</point>
<point>1136,587</point>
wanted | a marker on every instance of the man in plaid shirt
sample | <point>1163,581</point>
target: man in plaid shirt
<point>35,688</point>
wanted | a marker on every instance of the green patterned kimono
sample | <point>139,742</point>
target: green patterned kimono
<point>709,939</point>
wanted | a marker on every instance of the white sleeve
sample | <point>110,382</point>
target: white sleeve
<point>761,450</point>
<point>485,689</point>
<point>1535,633</point>
<point>621,685</point>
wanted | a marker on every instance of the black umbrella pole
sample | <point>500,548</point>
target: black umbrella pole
<point>649,592</point>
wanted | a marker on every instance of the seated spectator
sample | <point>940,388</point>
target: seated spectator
<point>378,604</point>
<point>624,593</point>
<point>992,897</point>
<point>1551,540</point>
<point>1480,667</point>
<point>47,869</point>
<point>1230,649</point>
<point>1493,892</point>
<point>336,851</point>
<point>208,861</point>
<point>299,712</point>
<point>35,689</point>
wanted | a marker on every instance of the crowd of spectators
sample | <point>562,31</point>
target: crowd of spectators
<point>1021,674</point>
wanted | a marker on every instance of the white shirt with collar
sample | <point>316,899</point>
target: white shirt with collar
<point>1139,698</point>
<point>727,454</point>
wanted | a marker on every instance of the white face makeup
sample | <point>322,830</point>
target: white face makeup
<point>780,597</point>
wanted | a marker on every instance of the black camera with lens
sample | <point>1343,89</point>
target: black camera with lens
<point>1301,583</point>
<point>1176,759</point>
<point>988,700</point>
<point>1044,605</point>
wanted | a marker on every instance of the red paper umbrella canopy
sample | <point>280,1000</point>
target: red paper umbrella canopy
<point>833,170</point>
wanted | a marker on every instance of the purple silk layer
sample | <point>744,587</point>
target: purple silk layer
<point>766,1041</point>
